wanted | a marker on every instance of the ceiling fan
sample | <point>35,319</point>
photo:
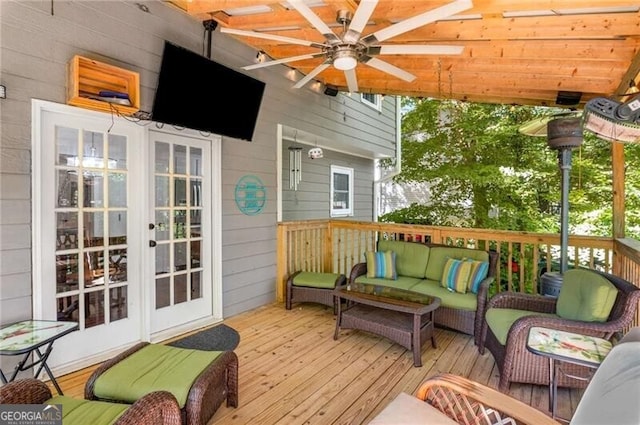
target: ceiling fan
<point>346,50</point>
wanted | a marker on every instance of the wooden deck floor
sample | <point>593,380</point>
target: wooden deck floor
<point>293,372</point>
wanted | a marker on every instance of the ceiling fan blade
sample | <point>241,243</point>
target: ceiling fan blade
<point>388,68</point>
<point>284,60</point>
<point>423,49</point>
<point>418,21</point>
<point>317,23</point>
<point>359,20</point>
<point>317,70</point>
<point>271,37</point>
<point>352,80</point>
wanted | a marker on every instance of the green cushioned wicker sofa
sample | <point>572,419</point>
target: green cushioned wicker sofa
<point>419,268</point>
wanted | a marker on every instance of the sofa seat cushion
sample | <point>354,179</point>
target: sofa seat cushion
<point>468,301</point>
<point>585,296</point>
<point>501,319</point>
<point>316,280</point>
<point>153,368</point>
<point>440,254</point>
<point>402,282</point>
<point>411,257</point>
<point>409,410</point>
<point>82,412</point>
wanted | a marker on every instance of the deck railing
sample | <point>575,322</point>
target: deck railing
<point>336,245</point>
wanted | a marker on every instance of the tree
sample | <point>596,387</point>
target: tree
<point>481,172</point>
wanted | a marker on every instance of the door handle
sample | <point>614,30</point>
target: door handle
<point>152,244</point>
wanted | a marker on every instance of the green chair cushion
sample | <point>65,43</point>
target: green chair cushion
<point>439,255</point>
<point>316,280</point>
<point>501,319</point>
<point>468,301</point>
<point>155,367</point>
<point>411,257</point>
<point>585,296</point>
<point>83,412</point>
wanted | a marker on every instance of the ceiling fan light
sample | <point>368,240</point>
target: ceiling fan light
<point>344,59</point>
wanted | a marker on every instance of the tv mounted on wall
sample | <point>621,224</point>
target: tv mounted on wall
<point>198,93</point>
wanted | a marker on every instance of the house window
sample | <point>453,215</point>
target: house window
<point>372,100</point>
<point>341,191</point>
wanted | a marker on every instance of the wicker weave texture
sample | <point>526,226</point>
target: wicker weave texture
<point>217,383</point>
<point>156,408</point>
<point>517,364</point>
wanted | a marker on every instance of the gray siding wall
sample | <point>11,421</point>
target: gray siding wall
<point>35,47</point>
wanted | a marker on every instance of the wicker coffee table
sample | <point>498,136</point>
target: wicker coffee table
<point>402,316</point>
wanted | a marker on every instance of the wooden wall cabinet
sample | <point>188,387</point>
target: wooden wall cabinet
<point>87,77</point>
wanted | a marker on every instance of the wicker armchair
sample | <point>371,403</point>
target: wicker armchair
<point>517,364</point>
<point>157,408</point>
<point>468,402</point>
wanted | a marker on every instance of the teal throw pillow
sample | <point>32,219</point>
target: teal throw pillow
<point>455,276</point>
<point>381,264</point>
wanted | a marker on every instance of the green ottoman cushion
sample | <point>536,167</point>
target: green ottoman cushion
<point>83,412</point>
<point>155,367</point>
<point>316,280</point>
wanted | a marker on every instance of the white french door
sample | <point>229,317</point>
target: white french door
<point>87,208</point>
<point>181,230</point>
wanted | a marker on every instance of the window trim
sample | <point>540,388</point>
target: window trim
<point>341,212</point>
<point>377,105</point>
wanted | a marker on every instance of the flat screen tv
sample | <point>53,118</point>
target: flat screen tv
<point>198,93</point>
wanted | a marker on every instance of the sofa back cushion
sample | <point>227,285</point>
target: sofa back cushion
<point>439,255</point>
<point>411,257</point>
<point>586,296</point>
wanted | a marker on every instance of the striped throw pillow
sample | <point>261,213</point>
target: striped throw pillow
<point>455,276</point>
<point>381,264</point>
<point>479,271</point>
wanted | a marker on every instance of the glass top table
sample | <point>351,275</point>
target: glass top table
<point>26,338</point>
<point>566,347</point>
<point>403,316</point>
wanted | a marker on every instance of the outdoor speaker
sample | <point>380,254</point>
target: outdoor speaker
<point>568,97</point>
<point>330,91</point>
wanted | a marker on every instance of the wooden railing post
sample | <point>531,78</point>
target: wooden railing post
<point>281,263</point>
<point>327,254</point>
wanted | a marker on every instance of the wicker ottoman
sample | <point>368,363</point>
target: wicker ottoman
<point>200,380</point>
<point>314,287</point>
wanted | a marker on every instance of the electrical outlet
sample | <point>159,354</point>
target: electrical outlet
<point>3,92</point>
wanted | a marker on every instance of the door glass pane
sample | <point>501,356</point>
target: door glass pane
<point>67,308</point>
<point>117,152</point>
<point>162,191</point>
<point>180,224</point>
<point>117,190</point>
<point>67,229</point>
<point>196,223</point>
<point>163,292</point>
<point>162,225</point>
<point>195,254</point>
<point>196,162</point>
<point>163,264</point>
<point>117,265</point>
<point>93,229</point>
<point>93,150</point>
<point>94,267</point>
<point>66,273</point>
<point>180,159</point>
<point>93,186</point>
<point>196,286</point>
<point>117,227</point>
<point>180,289</point>
<point>162,157</point>
<point>180,256</point>
<point>118,303</point>
<point>94,309</point>
<point>196,193</point>
<point>180,192</point>
<point>67,189</point>
<point>66,146</point>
